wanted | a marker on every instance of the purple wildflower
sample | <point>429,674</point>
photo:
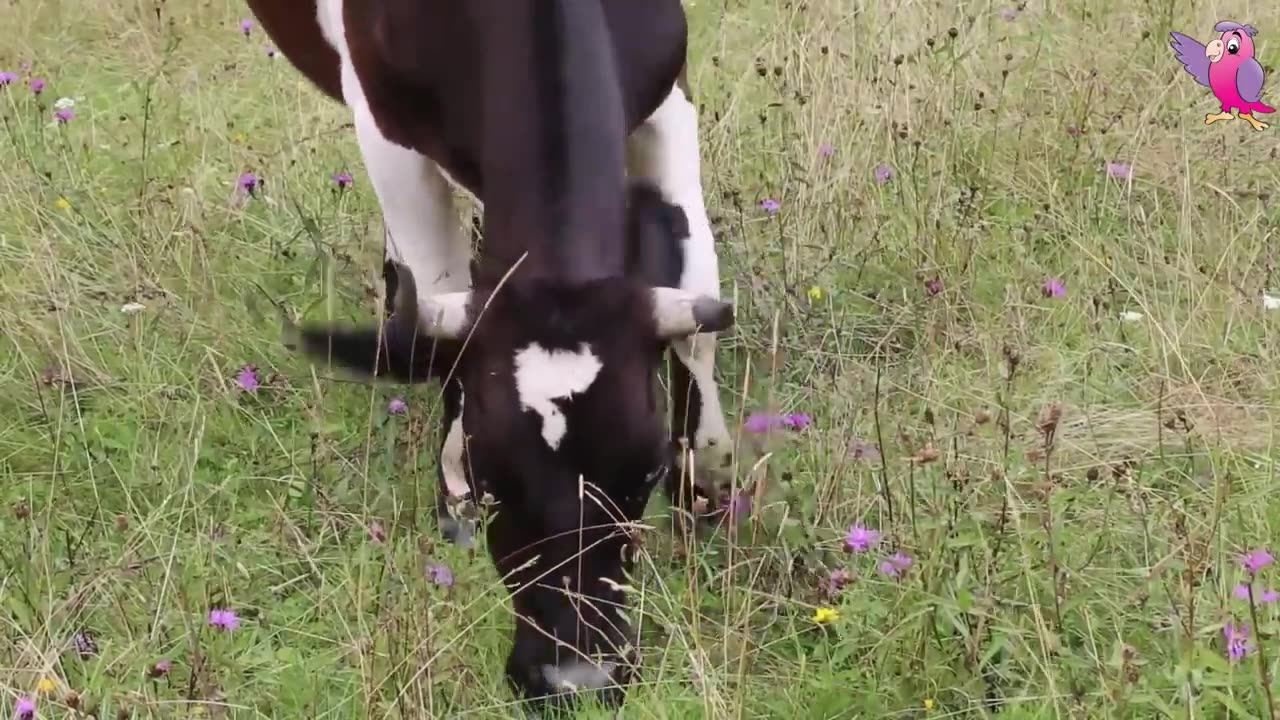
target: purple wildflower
<point>160,668</point>
<point>896,565</point>
<point>1120,170</point>
<point>271,52</point>
<point>8,78</point>
<point>933,287</point>
<point>863,450</point>
<point>1265,597</point>
<point>343,180</point>
<point>37,85</point>
<point>884,173</point>
<point>440,575</point>
<point>247,379</point>
<point>377,533</point>
<point>1009,14</point>
<point>825,150</point>
<point>861,539</point>
<point>246,27</point>
<point>1255,560</point>
<point>837,580</point>
<point>63,115</point>
<point>397,406</point>
<point>84,643</point>
<point>1053,288</point>
<point>248,182</point>
<point>1237,639</point>
<point>24,708</point>
<point>764,422</point>
<point>770,205</point>
<point>224,619</point>
<point>740,504</point>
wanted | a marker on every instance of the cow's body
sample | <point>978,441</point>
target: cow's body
<point>536,107</point>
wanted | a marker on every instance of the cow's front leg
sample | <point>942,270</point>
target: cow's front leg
<point>665,150</point>
<point>424,232</point>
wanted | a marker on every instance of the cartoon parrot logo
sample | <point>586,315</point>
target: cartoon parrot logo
<point>1227,67</point>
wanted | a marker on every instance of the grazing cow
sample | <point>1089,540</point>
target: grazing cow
<point>396,64</point>
<point>529,104</point>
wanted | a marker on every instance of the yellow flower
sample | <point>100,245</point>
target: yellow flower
<point>238,138</point>
<point>824,615</point>
<point>62,203</point>
<point>46,685</point>
<point>928,703</point>
<point>815,294</point>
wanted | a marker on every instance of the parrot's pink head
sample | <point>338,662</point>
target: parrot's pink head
<point>1234,46</point>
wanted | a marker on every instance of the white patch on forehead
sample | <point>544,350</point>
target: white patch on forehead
<point>543,377</point>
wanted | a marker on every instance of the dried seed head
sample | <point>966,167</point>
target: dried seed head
<point>122,522</point>
<point>982,417</point>
<point>1050,416</point>
<point>1091,474</point>
<point>21,510</point>
<point>927,454</point>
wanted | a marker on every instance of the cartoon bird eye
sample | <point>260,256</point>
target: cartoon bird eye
<point>1233,46</point>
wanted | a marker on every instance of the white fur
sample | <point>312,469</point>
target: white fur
<point>665,149</point>
<point>579,675</point>
<point>455,477</point>
<point>417,203</point>
<point>444,315</point>
<point>543,377</point>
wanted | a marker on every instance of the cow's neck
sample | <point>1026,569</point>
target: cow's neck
<point>554,136</point>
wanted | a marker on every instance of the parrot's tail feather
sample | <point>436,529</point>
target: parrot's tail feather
<point>1264,108</point>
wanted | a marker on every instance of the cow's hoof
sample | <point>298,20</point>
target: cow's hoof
<point>459,532</point>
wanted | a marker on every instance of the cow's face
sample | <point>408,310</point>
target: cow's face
<point>563,427</point>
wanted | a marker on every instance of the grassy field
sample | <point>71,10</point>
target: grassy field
<point>992,251</point>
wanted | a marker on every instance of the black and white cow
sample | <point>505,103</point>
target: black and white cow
<point>534,106</point>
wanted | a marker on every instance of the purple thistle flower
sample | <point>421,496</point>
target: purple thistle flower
<point>343,180</point>
<point>64,115</point>
<point>861,539</point>
<point>740,505</point>
<point>1237,639</point>
<point>837,580</point>
<point>440,575</point>
<point>246,27</point>
<point>377,533</point>
<point>397,406</point>
<point>825,150</point>
<point>1120,170</point>
<point>1256,559</point>
<point>248,182</point>
<point>1053,288</point>
<point>37,85</point>
<point>933,287</point>
<point>8,78</point>
<point>896,565</point>
<point>84,643</point>
<point>271,52</point>
<point>224,619</point>
<point>770,205</point>
<point>160,668</point>
<point>1009,14</point>
<point>247,379</point>
<point>24,708</point>
<point>764,422</point>
<point>1265,597</point>
<point>884,173</point>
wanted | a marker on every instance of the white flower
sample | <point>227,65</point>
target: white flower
<point>132,308</point>
<point>64,103</point>
<point>1131,316</point>
<point>1270,302</point>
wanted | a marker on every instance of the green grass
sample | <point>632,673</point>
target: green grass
<point>140,488</point>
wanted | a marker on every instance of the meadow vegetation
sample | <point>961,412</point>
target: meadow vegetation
<point>1012,299</point>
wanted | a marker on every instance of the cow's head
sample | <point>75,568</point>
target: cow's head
<point>563,427</point>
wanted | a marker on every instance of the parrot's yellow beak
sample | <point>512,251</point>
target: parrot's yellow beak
<point>1213,50</point>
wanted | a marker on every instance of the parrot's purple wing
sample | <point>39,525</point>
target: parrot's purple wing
<point>1191,54</point>
<point>1249,80</point>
